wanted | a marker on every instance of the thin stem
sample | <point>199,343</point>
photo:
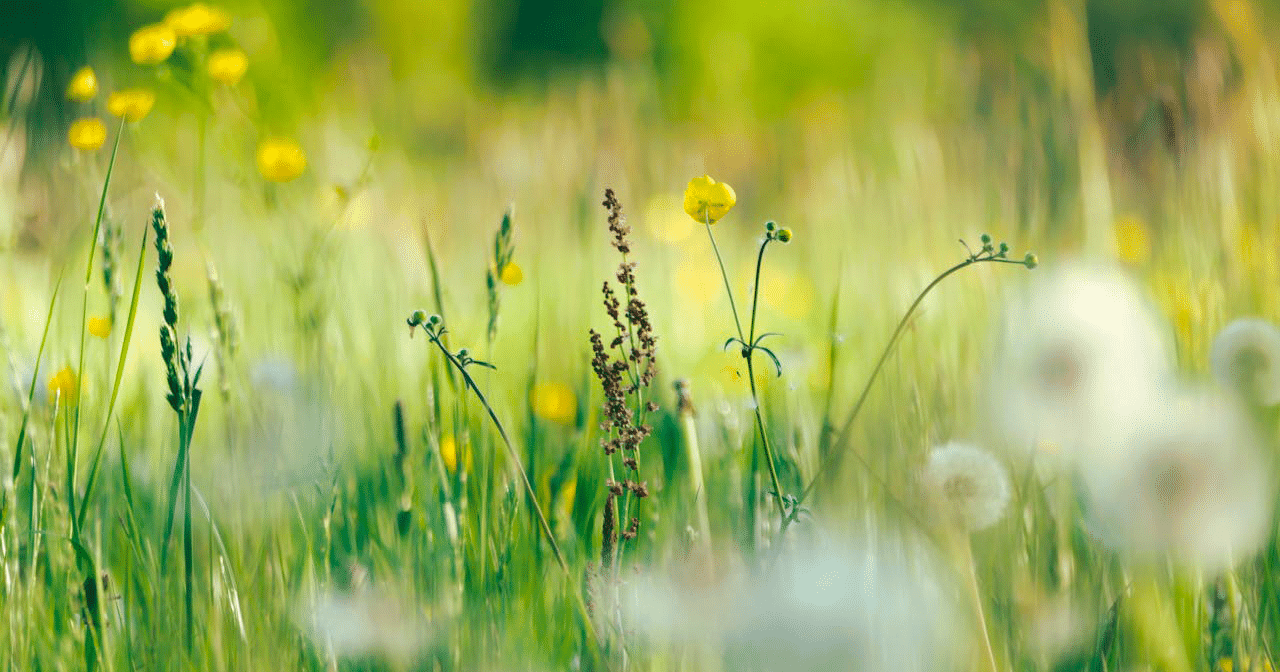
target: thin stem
<point>511,451</point>
<point>830,458</point>
<point>976,594</point>
<point>727,286</point>
<point>749,351</point>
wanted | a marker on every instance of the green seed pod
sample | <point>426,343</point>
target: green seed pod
<point>417,318</point>
<point>986,239</point>
<point>1031,260</point>
<point>784,235</point>
<point>770,225</point>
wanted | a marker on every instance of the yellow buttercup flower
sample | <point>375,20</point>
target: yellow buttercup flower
<point>511,274</point>
<point>152,44</point>
<point>228,65</point>
<point>100,327</point>
<point>87,134</point>
<point>197,19</point>
<point>83,85</point>
<point>132,104</point>
<point>62,386</point>
<point>1133,242</point>
<point>706,200</point>
<point>554,402</point>
<point>281,159</point>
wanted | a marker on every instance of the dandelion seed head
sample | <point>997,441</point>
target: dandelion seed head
<point>968,484</point>
<point>1078,349</point>
<point>1187,480</point>
<point>1246,358</point>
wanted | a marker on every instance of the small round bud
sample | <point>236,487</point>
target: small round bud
<point>784,235</point>
<point>986,239</point>
<point>1031,260</point>
<point>463,353</point>
<point>770,225</point>
<point>1004,248</point>
<point>433,320</point>
<point>418,317</point>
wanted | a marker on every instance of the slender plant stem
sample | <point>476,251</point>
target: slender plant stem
<point>511,451</point>
<point>84,317</point>
<point>975,592</point>
<point>755,397</point>
<point>831,457</point>
<point>728,288</point>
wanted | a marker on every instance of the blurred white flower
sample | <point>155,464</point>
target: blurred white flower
<point>1186,481</point>
<point>967,484</point>
<point>365,625</point>
<point>872,608</point>
<point>1080,349</point>
<point>1246,358</point>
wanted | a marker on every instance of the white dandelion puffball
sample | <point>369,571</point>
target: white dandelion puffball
<point>1246,358</point>
<point>1188,481</point>
<point>865,608</point>
<point>968,484</point>
<point>1078,349</point>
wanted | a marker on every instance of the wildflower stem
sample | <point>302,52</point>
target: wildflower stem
<point>975,593</point>
<point>749,354</point>
<point>728,288</point>
<point>831,454</point>
<point>511,451</point>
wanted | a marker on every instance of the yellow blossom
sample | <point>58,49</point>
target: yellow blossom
<point>1133,242</point>
<point>197,19</point>
<point>554,402</point>
<point>132,104</point>
<point>100,327</point>
<point>511,274</point>
<point>62,386</point>
<point>706,200</point>
<point>449,454</point>
<point>281,159</point>
<point>83,85</point>
<point>152,44</point>
<point>228,65</point>
<point>87,134</point>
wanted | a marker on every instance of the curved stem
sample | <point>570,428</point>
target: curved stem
<point>755,291</point>
<point>511,451</point>
<point>830,459</point>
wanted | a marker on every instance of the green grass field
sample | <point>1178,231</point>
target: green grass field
<point>371,334</point>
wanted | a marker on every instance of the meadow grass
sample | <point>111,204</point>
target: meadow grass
<point>356,498</point>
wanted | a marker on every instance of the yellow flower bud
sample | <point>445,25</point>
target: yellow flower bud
<point>281,159</point>
<point>132,104</point>
<point>152,44</point>
<point>87,134</point>
<point>197,19</point>
<point>706,200</point>
<point>83,85</point>
<point>228,65</point>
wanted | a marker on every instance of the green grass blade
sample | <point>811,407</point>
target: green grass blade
<point>115,388</point>
<point>35,373</point>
